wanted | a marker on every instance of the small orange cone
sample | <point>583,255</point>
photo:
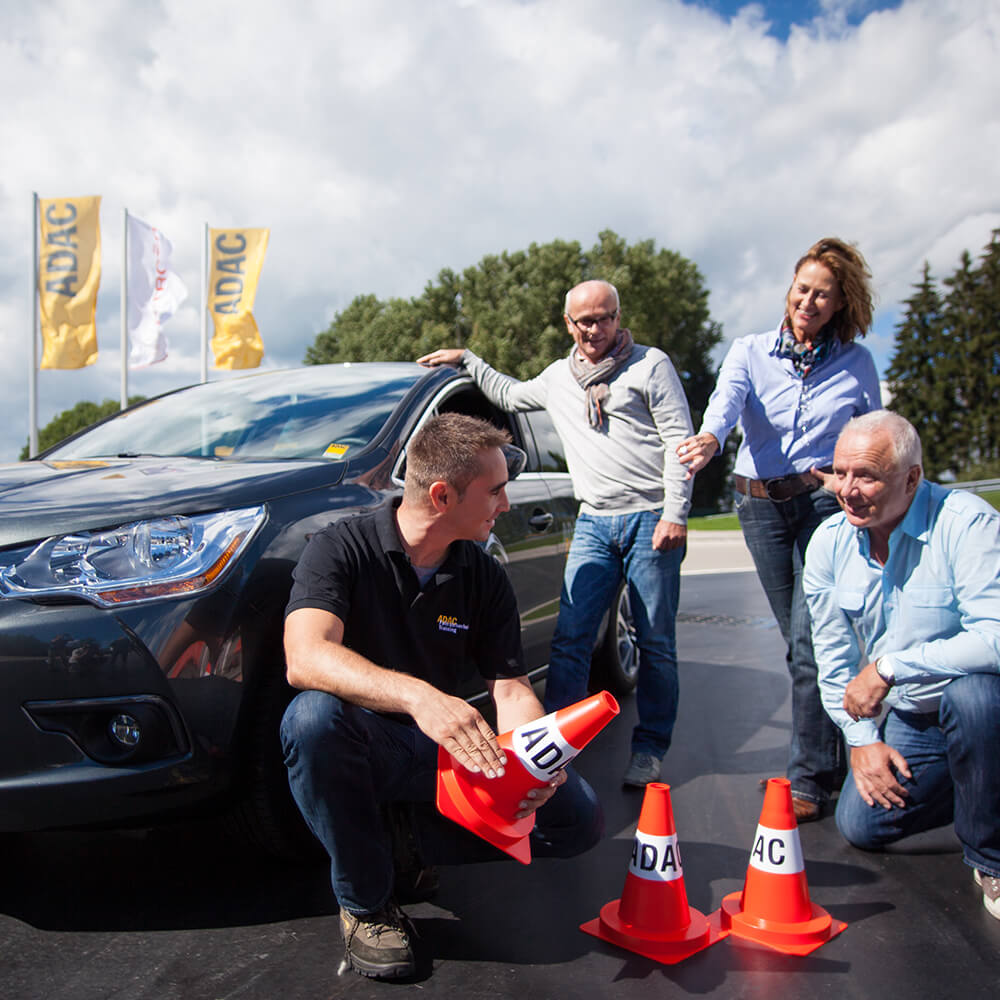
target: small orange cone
<point>535,751</point>
<point>653,918</point>
<point>774,908</point>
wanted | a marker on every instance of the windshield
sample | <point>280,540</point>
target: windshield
<point>324,411</point>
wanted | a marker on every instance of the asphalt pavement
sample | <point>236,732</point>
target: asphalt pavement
<point>180,913</point>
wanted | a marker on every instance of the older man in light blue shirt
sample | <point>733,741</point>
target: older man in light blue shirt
<point>904,592</point>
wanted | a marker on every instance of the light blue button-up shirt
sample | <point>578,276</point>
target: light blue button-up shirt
<point>789,424</point>
<point>932,611</point>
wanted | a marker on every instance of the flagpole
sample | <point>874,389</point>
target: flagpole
<point>204,306</point>
<point>33,354</point>
<point>124,310</point>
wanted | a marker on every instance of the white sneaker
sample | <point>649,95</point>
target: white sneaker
<point>990,885</point>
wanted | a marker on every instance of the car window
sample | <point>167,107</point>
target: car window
<point>550,449</point>
<point>319,412</point>
<point>468,399</point>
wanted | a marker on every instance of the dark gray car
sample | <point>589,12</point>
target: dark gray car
<point>146,562</point>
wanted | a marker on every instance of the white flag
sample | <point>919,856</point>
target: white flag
<point>155,292</point>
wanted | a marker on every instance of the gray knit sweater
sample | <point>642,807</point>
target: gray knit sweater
<point>630,464</point>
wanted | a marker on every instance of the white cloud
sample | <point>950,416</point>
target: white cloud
<point>382,141</point>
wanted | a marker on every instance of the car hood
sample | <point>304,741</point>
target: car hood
<point>43,498</point>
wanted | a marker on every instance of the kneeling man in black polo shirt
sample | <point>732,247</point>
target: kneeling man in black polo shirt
<point>387,612</point>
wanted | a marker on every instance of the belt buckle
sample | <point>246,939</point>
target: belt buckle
<point>781,482</point>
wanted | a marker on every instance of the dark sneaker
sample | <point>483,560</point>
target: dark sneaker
<point>642,769</point>
<point>990,885</point>
<point>379,944</point>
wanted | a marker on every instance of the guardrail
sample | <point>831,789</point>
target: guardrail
<point>977,486</point>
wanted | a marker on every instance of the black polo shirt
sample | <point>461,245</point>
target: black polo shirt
<point>463,622</point>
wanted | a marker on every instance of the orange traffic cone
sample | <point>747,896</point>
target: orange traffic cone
<point>653,918</point>
<point>535,751</point>
<point>774,908</point>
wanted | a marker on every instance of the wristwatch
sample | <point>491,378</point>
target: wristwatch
<point>884,669</point>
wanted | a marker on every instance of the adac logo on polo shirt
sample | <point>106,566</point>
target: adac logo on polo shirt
<point>449,623</point>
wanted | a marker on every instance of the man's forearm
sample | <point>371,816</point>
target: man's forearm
<point>516,703</point>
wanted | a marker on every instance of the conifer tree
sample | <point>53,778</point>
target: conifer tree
<point>979,350</point>
<point>944,376</point>
<point>920,385</point>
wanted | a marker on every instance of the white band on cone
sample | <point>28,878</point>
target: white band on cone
<point>656,859</point>
<point>540,747</point>
<point>778,852</point>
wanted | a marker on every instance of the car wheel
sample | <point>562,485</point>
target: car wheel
<point>615,664</point>
<point>265,817</point>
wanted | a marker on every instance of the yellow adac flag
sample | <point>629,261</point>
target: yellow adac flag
<point>69,273</point>
<point>236,259</point>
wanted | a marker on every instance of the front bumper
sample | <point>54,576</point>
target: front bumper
<point>68,670</point>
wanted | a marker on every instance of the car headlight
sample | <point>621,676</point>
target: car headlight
<point>142,561</point>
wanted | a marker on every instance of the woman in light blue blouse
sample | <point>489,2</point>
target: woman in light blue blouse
<point>791,391</point>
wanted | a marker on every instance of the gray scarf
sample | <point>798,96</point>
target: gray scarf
<point>594,378</point>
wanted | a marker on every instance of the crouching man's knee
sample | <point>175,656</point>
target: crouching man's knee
<point>311,720</point>
<point>861,825</point>
<point>971,703</point>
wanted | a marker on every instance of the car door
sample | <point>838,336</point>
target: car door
<point>536,534</point>
<point>530,540</point>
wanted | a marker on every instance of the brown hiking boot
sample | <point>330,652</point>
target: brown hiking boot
<point>806,811</point>
<point>378,944</point>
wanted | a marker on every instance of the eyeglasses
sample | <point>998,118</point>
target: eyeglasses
<point>589,322</point>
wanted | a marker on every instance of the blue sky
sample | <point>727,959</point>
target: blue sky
<point>783,13</point>
<point>383,141</point>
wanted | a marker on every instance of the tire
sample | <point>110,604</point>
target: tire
<point>265,817</point>
<point>615,663</point>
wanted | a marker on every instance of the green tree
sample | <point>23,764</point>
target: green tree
<point>919,379</point>
<point>945,373</point>
<point>508,309</point>
<point>972,314</point>
<point>75,419</point>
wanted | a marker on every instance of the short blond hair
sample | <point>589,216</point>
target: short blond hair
<point>449,448</point>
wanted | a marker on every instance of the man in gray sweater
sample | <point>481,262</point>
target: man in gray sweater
<point>620,412</point>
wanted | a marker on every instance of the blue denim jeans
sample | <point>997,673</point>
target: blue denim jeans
<point>954,756</point>
<point>604,550</point>
<point>777,535</point>
<point>345,762</point>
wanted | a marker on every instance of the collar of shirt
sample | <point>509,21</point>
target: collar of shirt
<point>915,523</point>
<point>388,536</point>
<point>834,349</point>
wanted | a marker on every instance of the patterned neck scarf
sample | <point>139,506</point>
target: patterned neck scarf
<point>593,378</point>
<point>804,359</point>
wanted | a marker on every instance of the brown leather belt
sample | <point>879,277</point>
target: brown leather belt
<point>781,489</point>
